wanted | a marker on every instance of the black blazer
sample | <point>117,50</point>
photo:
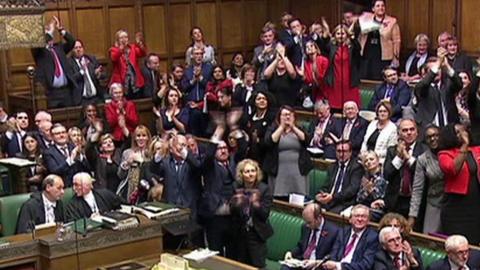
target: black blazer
<point>105,199</point>
<point>399,98</point>
<point>351,185</point>
<point>99,166</point>
<point>428,97</point>
<point>56,163</point>
<point>46,65</point>
<point>364,253</point>
<point>33,213</point>
<point>383,261</point>
<point>79,79</point>
<point>328,149</point>
<point>356,133</point>
<point>270,164</point>
<point>394,176</point>
<point>327,238</point>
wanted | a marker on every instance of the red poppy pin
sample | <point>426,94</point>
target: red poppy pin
<point>324,233</point>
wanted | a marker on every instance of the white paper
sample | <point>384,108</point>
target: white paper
<point>297,199</point>
<point>19,162</point>
<point>200,254</point>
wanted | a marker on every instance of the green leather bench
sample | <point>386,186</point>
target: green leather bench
<point>10,208</point>
<point>366,96</point>
<point>287,228</point>
<point>316,180</point>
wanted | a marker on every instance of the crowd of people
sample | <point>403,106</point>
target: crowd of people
<point>418,157</point>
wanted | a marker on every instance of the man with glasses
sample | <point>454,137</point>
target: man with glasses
<point>344,180</point>
<point>12,143</point>
<point>458,255</point>
<point>427,183</point>
<point>396,253</point>
<point>393,89</point>
<point>64,159</point>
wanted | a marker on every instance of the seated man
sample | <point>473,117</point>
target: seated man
<point>396,253</point>
<point>344,180</point>
<point>88,201</point>
<point>43,207</point>
<point>394,90</point>
<point>352,127</point>
<point>322,131</point>
<point>356,245</point>
<point>316,240</point>
<point>458,255</point>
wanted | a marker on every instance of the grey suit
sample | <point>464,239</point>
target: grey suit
<point>261,61</point>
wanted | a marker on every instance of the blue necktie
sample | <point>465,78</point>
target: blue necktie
<point>339,181</point>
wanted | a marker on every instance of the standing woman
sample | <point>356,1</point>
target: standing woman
<point>381,133</point>
<point>314,71</point>
<point>460,163</point>
<point>461,98</point>
<point>121,114</point>
<point>172,118</point>
<point>125,59</point>
<point>250,208</point>
<point>199,42</point>
<point>91,120</point>
<point>343,77</point>
<point>380,41</point>
<point>32,151</point>
<point>287,161</point>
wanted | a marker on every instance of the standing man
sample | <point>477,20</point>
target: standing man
<point>152,76</point>
<point>12,143</point>
<point>263,55</point>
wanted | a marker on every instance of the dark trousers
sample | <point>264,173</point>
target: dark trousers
<point>219,235</point>
<point>59,97</point>
<point>197,123</point>
<point>251,249</point>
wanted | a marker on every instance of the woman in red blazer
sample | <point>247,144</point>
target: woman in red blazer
<point>125,57</point>
<point>460,163</point>
<point>121,114</point>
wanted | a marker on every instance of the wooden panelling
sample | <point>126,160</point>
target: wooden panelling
<point>154,28</point>
<point>256,12</point>
<point>122,18</point>
<point>443,19</point>
<point>276,8</point>
<point>20,56</point>
<point>94,41</point>
<point>180,25</point>
<point>417,20</point>
<point>231,17</point>
<point>206,18</point>
<point>470,39</point>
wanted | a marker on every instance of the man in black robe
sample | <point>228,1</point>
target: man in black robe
<point>43,207</point>
<point>88,201</point>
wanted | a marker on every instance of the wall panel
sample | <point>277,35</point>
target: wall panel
<point>443,18</point>
<point>154,28</point>
<point>180,25</point>
<point>417,22</point>
<point>94,41</point>
<point>206,18</point>
<point>256,14</point>
<point>122,18</point>
<point>231,17</point>
<point>470,39</point>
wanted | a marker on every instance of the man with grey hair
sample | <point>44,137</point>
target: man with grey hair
<point>43,124</point>
<point>458,254</point>
<point>352,127</point>
<point>396,253</point>
<point>322,130</point>
<point>88,201</point>
<point>43,207</point>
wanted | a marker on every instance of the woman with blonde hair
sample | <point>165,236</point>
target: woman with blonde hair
<point>121,114</point>
<point>250,208</point>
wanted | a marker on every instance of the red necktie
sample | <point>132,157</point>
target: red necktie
<point>312,245</point>
<point>57,62</point>
<point>398,262</point>
<point>350,245</point>
<point>407,178</point>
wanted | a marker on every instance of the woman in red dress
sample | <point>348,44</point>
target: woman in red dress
<point>314,71</point>
<point>343,78</point>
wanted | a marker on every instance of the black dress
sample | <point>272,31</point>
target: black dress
<point>372,57</point>
<point>460,214</point>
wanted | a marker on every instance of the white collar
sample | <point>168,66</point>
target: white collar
<point>47,203</point>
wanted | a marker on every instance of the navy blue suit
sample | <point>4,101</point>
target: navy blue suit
<point>56,163</point>
<point>294,51</point>
<point>400,97</point>
<point>357,132</point>
<point>327,238</point>
<point>328,149</point>
<point>364,253</point>
<point>11,145</point>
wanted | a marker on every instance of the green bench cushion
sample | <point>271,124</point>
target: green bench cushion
<point>429,256</point>
<point>9,210</point>
<point>365,96</point>
<point>286,229</point>
<point>316,180</point>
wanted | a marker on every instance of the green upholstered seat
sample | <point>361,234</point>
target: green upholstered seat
<point>9,210</point>
<point>286,229</point>
<point>67,196</point>
<point>365,96</point>
<point>429,256</point>
<point>316,179</point>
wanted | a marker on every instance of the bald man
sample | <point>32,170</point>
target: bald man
<point>88,201</point>
<point>43,207</point>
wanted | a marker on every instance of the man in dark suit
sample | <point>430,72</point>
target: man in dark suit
<point>396,253</point>
<point>322,130</point>
<point>180,173</point>
<point>12,141</point>
<point>356,245</point>
<point>43,207</point>
<point>53,68</point>
<point>43,123</point>
<point>152,76</point>
<point>399,168</point>
<point>352,127</point>
<point>458,60</point>
<point>344,180</point>
<point>295,42</point>
<point>87,201</point>
<point>436,98</point>
<point>316,238</point>
<point>87,73</point>
<point>458,256</point>
<point>64,159</point>
<point>394,90</point>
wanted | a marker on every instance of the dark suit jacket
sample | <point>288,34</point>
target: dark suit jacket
<point>33,213</point>
<point>356,133</point>
<point>149,89</point>
<point>328,149</point>
<point>363,254</point>
<point>394,176</point>
<point>383,261</point>
<point>46,65</point>
<point>399,98</point>
<point>105,199</point>
<point>294,51</point>
<point>327,238</point>
<point>41,140</point>
<point>56,163</point>
<point>11,146</point>
<point>79,79</point>
<point>351,185</point>
<point>443,264</point>
<point>182,188</point>
<point>428,98</point>
<point>99,166</point>
<point>461,62</point>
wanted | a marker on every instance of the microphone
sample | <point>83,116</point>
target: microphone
<point>31,71</point>
<point>323,261</point>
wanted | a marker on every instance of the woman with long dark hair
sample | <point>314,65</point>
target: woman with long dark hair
<point>33,152</point>
<point>198,41</point>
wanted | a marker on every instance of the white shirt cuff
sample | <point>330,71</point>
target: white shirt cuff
<point>397,162</point>
<point>435,69</point>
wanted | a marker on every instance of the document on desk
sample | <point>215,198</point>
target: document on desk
<point>154,215</point>
<point>200,254</point>
<point>293,263</point>
<point>17,162</point>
